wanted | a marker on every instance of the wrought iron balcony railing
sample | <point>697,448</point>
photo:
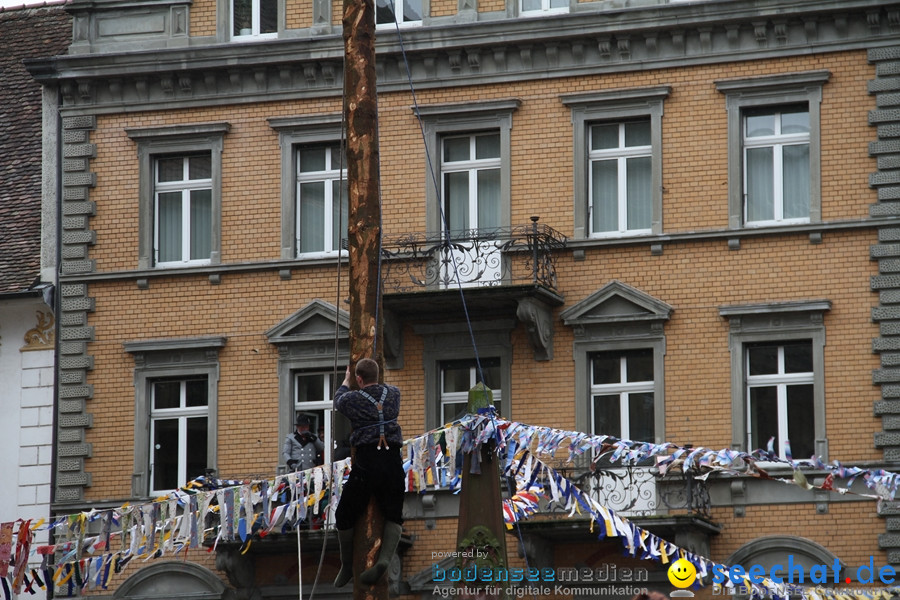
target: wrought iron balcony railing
<point>503,256</point>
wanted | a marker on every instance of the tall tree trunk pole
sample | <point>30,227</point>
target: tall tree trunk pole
<point>364,230</point>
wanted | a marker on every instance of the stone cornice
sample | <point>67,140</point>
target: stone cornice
<point>472,53</point>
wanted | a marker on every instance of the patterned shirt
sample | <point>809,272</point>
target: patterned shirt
<point>363,413</point>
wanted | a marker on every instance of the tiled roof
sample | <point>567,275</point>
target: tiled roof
<point>24,33</point>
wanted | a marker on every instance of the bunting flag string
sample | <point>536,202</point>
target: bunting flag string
<point>234,511</point>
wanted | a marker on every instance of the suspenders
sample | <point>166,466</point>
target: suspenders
<point>379,404</point>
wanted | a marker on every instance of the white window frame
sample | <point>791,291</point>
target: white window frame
<point>472,166</point>
<point>324,404</point>
<point>775,90</point>
<point>621,154</point>
<point>623,390</point>
<point>254,34</point>
<point>545,9</point>
<point>185,186</point>
<point>181,414</point>
<point>775,323</point>
<point>463,397</point>
<point>331,174</point>
<point>777,142</point>
<point>613,106</point>
<point>780,381</point>
<point>398,10</point>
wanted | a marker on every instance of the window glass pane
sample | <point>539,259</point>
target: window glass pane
<point>312,217</point>
<point>798,357</point>
<point>762,359</point>
<point>456,194</point>
<point>412,10</point>
<point>384,11</point>
<point>201,224</point>
<point>310,388</point>
<point>531,5</point>
<point>795,121</point>
<point>243,17</point>
<point>605,368</point>
<point>490,369</point>
<point>170,169</point>
<point>763,417</point>
<point>796,181</point>
<point>637,133</point>
<point>487,146</point>
<point>336,161</point>
<point>200,167</point>
<point>169,235</point>
<point>607,419</point>
<point>453,410</point>
<point>639,365</point>
<point>268,16</point>
<point>638,192</point>
<point>640,417</point>
<point>166,394</point>
<point>559,3</point>
<point>312,159</point>
<point>800,421</point>
<point>488,198</point>
<point>165,454</point>
<point>196,392</point>
<point>759,123</point>
<point>456,149</point>
<point>604,195</point>
<point>339,208</point>
<point>196,452</point>
<point>760,174</point>
<point>457,375</point>
<point>604,136</point>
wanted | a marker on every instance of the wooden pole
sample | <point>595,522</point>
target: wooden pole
<point>364,231</point>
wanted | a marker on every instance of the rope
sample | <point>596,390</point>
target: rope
<point>446,231</point>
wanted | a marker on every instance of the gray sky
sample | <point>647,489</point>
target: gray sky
<point>17,3</point>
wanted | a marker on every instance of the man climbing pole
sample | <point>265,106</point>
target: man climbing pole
<point>377,467</point>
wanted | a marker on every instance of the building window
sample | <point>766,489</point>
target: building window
<point>622,387</point>
<point>542,7</point>
<point>390,13</point>
<point>619,354</point>
<point>321,199</point>
<point>314,205</point>
<point>176,391</point>
<point>179,432</point>
<point>183,207</point>
<point>621,161</point>
<point>180,198</point>
<point>460,376</point>
<point>313,398</point>
<point>774,163</point>
<point>471,174</point>
<point>618,161</point>
<point>778,376</point>
<point>473,143</point>
<point>254,19</point>
<point>780,384</point>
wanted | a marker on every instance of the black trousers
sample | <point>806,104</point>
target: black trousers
<point>375,473</point>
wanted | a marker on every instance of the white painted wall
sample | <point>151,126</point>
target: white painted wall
<point>26,419</point>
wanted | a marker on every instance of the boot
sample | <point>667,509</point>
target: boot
<point>345,539</point>
<point>389,541</point>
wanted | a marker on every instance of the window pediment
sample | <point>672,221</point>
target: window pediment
<point>315,321</point>
<point>616,302</point>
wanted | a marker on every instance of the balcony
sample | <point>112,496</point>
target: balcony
<point>488,273</point>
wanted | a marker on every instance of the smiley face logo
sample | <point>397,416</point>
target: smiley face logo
<point>682,573</point>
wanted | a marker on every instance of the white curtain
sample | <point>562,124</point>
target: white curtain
<point>604,196</point>
<point>796,181</point>
<point>201,224</point>
<point>638,192</point>
<point>312,217</point>
<point>169,234</point>
<point>760,174</point>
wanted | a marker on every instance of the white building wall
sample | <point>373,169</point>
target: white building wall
<point>26,414</point>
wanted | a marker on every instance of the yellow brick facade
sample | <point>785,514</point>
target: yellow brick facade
<point>697,269</point>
